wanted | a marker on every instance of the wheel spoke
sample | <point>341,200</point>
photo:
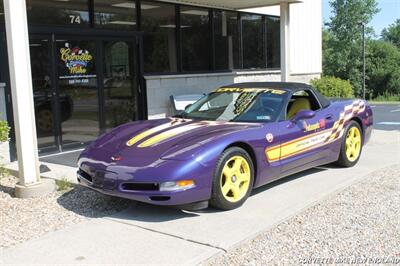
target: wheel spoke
<point>226,188</point>
<point>235,191</point>
<point>348,152</point>
<point>354,151</point>
<point>237,164</point>
<point>227,172</point>
<point>243,177</point>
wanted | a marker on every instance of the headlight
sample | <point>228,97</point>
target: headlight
<point>177,185</point>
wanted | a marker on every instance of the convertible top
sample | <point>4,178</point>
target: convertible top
<point>272,85</point>
<point>288,86</point>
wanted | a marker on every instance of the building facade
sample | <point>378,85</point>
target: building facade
<point>99,63</point>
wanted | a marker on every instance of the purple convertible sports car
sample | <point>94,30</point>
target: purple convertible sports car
<point>232,140</point>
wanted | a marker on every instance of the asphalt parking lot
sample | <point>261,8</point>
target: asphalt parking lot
<point>386,116</point>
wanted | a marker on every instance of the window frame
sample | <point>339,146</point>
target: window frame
<point>283,116</point>
<point>97,29</point>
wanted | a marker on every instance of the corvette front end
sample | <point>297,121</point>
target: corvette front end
<point>165,182</point>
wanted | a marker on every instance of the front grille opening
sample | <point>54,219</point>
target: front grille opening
<point>85,175</point>
<point>140,186</point>
<point>160,198</point>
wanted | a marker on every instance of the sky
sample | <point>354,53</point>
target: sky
<point>389,12</point>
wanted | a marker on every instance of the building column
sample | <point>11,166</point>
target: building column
<point>285,41</point>
<point>22,100</point>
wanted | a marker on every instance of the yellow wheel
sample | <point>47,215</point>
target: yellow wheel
<point>351,145</point>
<point>233,179</point>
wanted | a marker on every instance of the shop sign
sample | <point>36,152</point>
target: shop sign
<point>76,61</point>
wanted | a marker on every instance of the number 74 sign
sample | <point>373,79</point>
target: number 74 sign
<point>75,19</point>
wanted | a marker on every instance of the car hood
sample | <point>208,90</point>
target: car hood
<point>142,143</point>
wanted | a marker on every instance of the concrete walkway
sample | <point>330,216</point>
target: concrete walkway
<point>147,234</point>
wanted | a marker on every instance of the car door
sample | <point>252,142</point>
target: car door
<point>303,140</point>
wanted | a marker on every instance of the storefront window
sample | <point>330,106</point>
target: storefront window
<point>226,40</point>
<point>158,25</point>
<point>273,43</point>
<point>71,12</point>
<point>115,14</point>
<point>120,90</point>
<point>195,38</point>
<point>253,42</point>
<point>1,12</point>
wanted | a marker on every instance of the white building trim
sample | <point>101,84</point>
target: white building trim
<point>285,41</point>
<point>22,92</point>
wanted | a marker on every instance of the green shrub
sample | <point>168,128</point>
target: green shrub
<point>333,87</point>
<point>4,130</point>
<point>387,97</point>
<point>63,184</point>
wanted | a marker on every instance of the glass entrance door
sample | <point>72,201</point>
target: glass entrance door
<point>83,86</point>
<point>120,82</point>
<point>43,91</point>
<point>78,90</point>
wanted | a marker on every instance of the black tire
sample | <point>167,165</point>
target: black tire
<point>343,159</point>
<point>217,198</point>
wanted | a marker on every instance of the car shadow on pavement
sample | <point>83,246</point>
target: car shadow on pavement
<point>93,204</point>
<point>291,178</point>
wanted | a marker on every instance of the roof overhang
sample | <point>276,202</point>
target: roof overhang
<point>232,4</point>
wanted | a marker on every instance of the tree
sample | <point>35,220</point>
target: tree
<point>383,70</point>
<point>392,33</point>
<point>342,40</point>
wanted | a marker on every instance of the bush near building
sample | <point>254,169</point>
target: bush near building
<point>4,130</point>
<point>333,87</point>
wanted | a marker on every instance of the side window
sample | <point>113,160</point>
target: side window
<point>302,100</point>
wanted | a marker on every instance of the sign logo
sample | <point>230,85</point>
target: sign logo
<point>269,137</point>
<point>75,59</point>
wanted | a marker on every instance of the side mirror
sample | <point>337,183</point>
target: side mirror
<point>187,106</point>
<point>302,114</point>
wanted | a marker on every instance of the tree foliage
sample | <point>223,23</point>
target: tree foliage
<point>383,71</point>
<point>342,39</point>
<point>392,33</point>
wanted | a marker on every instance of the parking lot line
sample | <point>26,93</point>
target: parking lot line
<point>389,123</point>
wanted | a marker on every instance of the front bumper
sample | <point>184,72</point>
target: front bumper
<point>145,189</point>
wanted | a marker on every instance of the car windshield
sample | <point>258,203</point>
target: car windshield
<point>241,105</point>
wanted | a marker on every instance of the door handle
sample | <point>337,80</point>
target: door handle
<point>329,117</point>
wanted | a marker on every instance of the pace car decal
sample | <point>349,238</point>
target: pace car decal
<point>317,139</point>
<point>168,134</point>
<point>171,129</point>
<point>349,110</point>
<point>274,91</point>
<point>154,130</point>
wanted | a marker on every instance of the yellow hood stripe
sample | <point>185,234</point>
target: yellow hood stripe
<point>151,131</point>
<point>168,134</point>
